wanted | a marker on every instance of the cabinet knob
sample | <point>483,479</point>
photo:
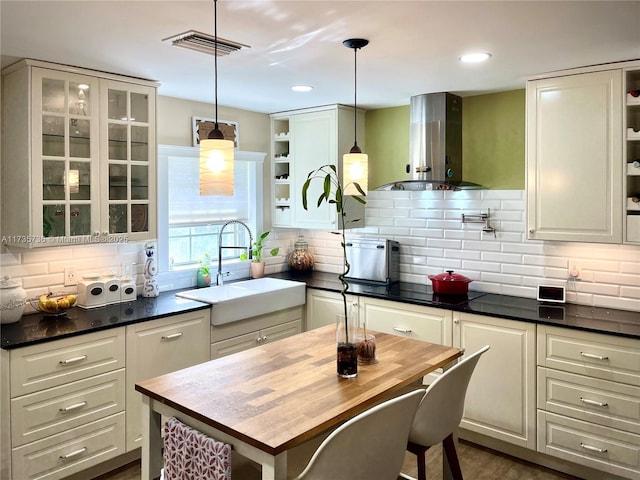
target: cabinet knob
<point>532,230</point>
<point>456,321</point>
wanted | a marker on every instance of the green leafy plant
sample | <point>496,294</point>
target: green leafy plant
<point>256,251</point>
<point>332,193</point>
<point>204,264</point>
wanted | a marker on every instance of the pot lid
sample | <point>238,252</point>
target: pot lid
<point>7,282</point>
<point>449,276</point>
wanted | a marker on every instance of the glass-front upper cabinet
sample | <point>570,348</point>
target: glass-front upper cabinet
<point>78,156</point>
<point>130,167</point>
<point>65,150</point>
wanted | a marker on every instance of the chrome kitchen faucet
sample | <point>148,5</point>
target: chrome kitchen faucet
<point>219,277</point>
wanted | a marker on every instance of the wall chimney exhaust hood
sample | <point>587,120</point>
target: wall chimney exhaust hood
<point>435,145</point>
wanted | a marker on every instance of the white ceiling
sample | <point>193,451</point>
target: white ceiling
<point>414,45</point>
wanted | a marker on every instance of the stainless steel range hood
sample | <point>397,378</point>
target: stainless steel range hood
<point>435,145</point>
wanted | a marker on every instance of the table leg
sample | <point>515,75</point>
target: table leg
<point>151,441</point>
<point>277,470</point>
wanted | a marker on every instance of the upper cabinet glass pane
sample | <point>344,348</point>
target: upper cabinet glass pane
<point>117,105</point>
<point>79,99</point>
<point>52,136</point>
<point>53,95</point>
<point>79,138</point>
<point>117,142</point>
<point>140,144</point>
<point>139,107</point>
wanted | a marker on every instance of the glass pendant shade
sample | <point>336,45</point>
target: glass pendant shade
<point>216,167</point>
<point>355,169</point>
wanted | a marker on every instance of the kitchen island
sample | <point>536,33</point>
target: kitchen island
<point>274,397</point>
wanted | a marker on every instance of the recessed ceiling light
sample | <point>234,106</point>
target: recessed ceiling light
<point>302,88</point>
<point>475,57</point>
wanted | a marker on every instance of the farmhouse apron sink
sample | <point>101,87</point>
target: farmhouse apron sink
<point>237,301</point>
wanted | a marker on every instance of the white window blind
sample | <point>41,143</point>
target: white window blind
<point>187,207</point>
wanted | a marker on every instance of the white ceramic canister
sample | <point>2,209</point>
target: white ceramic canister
<point>12,300</point>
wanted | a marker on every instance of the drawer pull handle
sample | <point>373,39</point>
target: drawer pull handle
<point>593,356</point>
<point>73,407</point>
<point>402,330</point>
<point>69,361</point>
<point>75,453</point>
<point>594,402</point>
<point>172,336</point>
<point>592,448</point>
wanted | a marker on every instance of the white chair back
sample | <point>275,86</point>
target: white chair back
<point>441,409</point>
<point>369,446</point>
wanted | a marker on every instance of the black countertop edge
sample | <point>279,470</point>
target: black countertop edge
<point>594,319</point>
<point>37,328</point>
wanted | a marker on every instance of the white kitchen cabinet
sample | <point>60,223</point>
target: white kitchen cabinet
<point>322,307</point>
<point>302,141</point>
<point>244,334</point>
<point>79,151</point>
<point>574,151</point>
<point>158,347</point>
<point>65,401</point>
<point>501,396</point>
<point>632,155</point>
<point>589,399</point>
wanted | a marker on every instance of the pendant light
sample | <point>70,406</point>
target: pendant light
<point>216,153</point>
<point>355,164</point>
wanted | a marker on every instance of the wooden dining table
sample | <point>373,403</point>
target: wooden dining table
<point>274,397</point>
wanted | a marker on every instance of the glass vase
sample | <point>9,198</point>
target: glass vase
<point>347,354</point>
<point>203,279</point>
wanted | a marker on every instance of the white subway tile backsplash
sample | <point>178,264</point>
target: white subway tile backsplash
<point>432,239</point>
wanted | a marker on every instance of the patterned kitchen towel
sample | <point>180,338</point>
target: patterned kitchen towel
<point>191,455</point>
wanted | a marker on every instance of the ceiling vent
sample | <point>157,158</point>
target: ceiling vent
<point>204,43</point>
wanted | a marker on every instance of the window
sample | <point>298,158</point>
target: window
<point>188,224</point>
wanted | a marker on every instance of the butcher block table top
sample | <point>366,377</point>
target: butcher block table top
<point>278,395</point>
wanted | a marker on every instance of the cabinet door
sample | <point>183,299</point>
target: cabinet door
<point>158,347</point>
<point>323,306</point>
<point>313,144</point>
<point>129,150</point>
<point>501,396</point>
<point>574,151</point>
<point>65,156</point>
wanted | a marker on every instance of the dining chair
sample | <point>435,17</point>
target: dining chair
<point>440,413</point>
<point>369,446</point>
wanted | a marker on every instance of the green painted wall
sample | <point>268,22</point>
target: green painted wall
<point>493,141</point>
<point>387,144</point>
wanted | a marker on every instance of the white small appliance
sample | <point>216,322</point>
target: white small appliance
<point>91,292</point>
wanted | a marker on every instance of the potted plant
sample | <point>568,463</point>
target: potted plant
<point>346,324</point>
<point>257,264</point>
<point>203,275</point>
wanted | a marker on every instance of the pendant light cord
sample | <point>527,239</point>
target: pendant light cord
<point>215,54</point>
<point>355,97</point>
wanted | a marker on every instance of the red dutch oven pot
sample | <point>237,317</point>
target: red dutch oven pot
<point>450,283</point>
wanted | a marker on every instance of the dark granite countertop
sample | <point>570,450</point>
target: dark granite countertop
<point>37,328</point>
<point>595,319</point>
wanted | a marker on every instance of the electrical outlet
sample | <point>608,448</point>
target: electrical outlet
<point>70,277</point>
<point>574,271</point>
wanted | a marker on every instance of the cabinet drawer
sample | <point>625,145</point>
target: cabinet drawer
<point>57,409</point>
<point>234,345</point>
<point>51,364</point>
<point>611,404</point>
<point>412,321</point>
<point>597,355</point>
<point>603,448</point>
<point>71,451</point>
